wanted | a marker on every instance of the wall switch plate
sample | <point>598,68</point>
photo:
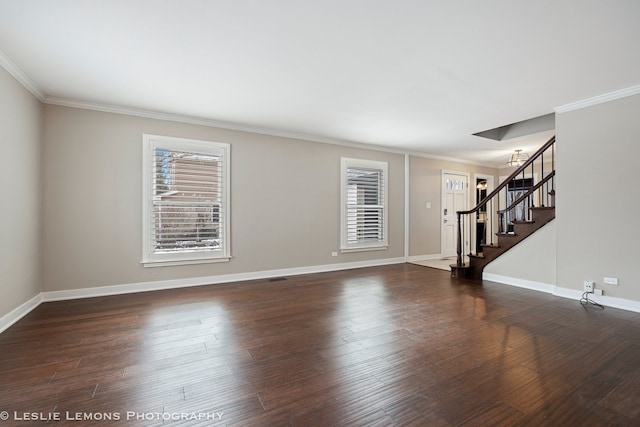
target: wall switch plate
<point>611,281</point>
<point>589,286</point>
<point>428,205</point>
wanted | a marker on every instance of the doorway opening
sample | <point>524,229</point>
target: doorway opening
<point>483,229</point>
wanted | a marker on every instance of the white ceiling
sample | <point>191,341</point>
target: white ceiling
<point>412,75</point>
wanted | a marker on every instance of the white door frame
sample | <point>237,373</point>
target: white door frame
<point>442,201</point>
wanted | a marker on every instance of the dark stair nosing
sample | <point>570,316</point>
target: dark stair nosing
<point>473,269</point>
<point>542,208</point>
<point>462,271</point>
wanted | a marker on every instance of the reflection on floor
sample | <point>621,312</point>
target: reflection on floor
<point>394,345</point>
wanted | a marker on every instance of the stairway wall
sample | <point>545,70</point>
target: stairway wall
<point>533,259</point>
<point>597,205</point>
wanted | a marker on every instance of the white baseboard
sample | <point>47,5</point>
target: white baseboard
<point>12,317</point>
<point>520,283</point>
<point>574,294</point>
<point>418,258</point>
<point>607,301</point>
<point>209,280</point>
<point>18,313</point>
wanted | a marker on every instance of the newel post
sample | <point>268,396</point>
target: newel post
<point>459,249</point>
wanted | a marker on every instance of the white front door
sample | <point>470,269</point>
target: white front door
<point>455,193</point>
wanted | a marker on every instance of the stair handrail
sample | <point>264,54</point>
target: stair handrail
<point>500,187</point>
<point>528,193</point>
<point>517,172</point>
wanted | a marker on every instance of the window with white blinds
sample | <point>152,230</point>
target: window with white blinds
<point>186,212</point>
<point>364,205</point>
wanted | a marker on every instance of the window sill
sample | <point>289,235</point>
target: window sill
<point>149,264</point>
<point>364,249</point>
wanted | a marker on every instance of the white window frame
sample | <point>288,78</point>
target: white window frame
<point>346,164</point>
<point>149,257</point>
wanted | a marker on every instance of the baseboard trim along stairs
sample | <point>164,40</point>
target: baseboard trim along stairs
<point>505,241</point>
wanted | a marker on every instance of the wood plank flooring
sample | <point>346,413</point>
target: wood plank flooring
<point>395,345</point>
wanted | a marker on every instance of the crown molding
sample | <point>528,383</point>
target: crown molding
<point>595,100</point>
<point>150,114</point>
<point>449,159</point>
<point>21,77</point>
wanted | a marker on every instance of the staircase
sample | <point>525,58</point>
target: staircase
<point>522,204</point>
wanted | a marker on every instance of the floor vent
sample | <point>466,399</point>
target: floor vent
<point>277,279</point>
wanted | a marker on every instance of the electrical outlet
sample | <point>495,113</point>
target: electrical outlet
<point>598,291</point>
<point>334,253</point>
<point>589,286</point>
<point>611,281</point>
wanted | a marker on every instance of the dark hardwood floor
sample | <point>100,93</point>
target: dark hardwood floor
<point>393,345</point>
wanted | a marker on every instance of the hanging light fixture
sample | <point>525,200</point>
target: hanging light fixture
<point>518,158</point>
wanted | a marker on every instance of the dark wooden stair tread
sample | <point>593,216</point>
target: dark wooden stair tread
<point>489,246</point>
<point>464,265</point>
<point>477,262</point>
<point>460,270</point>
<point>534,219</point>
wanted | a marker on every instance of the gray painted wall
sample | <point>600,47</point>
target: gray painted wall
<point>72,217</point>
<point>533,259</point>
<point>597,204</point>
<point>20,126</point>
<point>425,186</point>
<point>285,198</point>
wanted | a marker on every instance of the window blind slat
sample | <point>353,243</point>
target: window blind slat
<point>187,189</point>
<point>365,205</point>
